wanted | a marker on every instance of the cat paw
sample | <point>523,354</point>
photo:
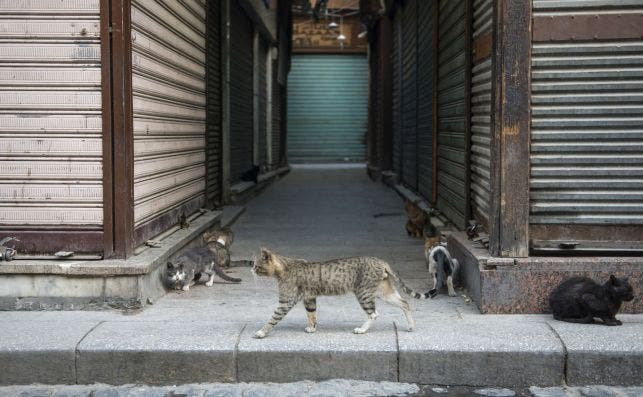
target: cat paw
<point>209,283</point>
<point>359,331</point>
<point>410,329</point>
<point>186,287</point>
<point>260,334</point>
<point>452,293</point>
<point>310,330</point>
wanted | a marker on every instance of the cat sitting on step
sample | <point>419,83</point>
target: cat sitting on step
<point>186,269</point>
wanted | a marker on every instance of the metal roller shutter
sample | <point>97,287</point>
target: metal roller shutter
<point>276,116</point>
<point>50,123</point>
<point>425,99</point>
<point>168,84</point>
<point>452,122</point>
<point>327,108</point>
<point>409,94</point>
<point>587,137</point>
<point>241,92</point>
<point>213,104</point>
<point>481,116</point>
<point>263,101</point>
<point>397,92</point>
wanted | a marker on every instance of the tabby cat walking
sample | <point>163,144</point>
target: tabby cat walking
<point>298,279</point>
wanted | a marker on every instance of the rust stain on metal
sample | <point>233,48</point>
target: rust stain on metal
<point>482,47</point>
<point>587,27</point>
<point>510,130</point>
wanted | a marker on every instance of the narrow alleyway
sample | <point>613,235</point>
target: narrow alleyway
<point>319,212</point>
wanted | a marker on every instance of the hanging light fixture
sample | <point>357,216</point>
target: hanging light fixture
<point>333,25</point>
<point>341,36</point>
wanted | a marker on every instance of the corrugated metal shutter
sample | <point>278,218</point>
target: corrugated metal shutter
<point>213,104</point>
<point>452,111</point>
<point>481,116</point>
<point>263,101</point>
<point>587,137</point>
<point>241,92</point>
<point>168,83</point>
<point>425,99</point>
<point>50,117</point>
<point>409,94</point>
<point>276,115</point>
<point>327,108</point>
<point>397,92</point>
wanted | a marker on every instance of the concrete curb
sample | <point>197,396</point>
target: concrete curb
<point>488,351</point>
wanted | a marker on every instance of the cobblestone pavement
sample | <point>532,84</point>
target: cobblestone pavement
<point>348,388</point>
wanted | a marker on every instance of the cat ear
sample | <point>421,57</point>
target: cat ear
<point>612,279</point>
<point>265,254</point>
<point>181,266</point>
<point>170,265</point>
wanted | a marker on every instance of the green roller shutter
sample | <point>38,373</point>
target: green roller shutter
<point>327,108</point>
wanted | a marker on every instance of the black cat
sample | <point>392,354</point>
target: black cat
<point>580,299</point>
<point>252,174</point>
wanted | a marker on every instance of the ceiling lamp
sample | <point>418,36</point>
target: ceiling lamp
<point>341,37</point>
<point>333,25</point>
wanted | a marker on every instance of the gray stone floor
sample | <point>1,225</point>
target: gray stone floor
<point>205,335</point>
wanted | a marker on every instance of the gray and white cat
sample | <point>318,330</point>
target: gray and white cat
<point>186,269</point>
<point>442,268</point>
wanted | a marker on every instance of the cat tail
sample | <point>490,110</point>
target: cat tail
<point>411,292</point>
<point>223,275</point>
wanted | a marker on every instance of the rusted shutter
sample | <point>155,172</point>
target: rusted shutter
<point>452,122</point>
<point>481,111</point>
<point>213,104</point>
<point>168,84</point>
<point>586,138</point>
<point>241,92</point>
<point>409,94</point>
<point>425,99</point>
<point>51,193</point>
<point>397,92</point>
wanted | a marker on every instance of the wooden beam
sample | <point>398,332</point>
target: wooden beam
<point>511,68</point>
<point>106,98</point>
<point>385,38</point>
<point>122,124</point>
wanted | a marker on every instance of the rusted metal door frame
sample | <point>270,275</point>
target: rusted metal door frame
<point>118,144</point>
<point>510,129</point>
<point>385,36</point>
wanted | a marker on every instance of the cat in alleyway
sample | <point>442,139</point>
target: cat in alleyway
<point>186,269</point>
<point>298,279</point>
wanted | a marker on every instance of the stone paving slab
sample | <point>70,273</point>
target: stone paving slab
<point>598,354</point>
<point>158,353</point>
<point>290,354</point>
<point>37,352</point>
<point>478,352</point>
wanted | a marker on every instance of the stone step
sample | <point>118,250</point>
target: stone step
<point>70,284</point>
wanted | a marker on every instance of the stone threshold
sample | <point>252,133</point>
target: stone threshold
<point>143,263</point>
<point>132,283</point>
<point>241,188</point>
<point>522,285</point>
